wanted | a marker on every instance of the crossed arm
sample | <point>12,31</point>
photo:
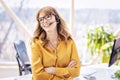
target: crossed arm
<point>52,70</point>
<point>38,70</point>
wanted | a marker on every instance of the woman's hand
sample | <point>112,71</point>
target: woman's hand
<point>50,70</point>
<point>72,64</point>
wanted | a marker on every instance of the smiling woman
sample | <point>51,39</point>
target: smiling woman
<point>97,14</point>
<point>54,53</point>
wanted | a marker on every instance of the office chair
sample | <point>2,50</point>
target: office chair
<point>22,58</point>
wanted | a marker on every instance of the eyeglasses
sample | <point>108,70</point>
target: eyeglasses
<point>47,17</point>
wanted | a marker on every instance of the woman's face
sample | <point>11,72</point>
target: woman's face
<point>47,22</point>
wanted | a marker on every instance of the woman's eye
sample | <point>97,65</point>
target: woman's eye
<point>48,16</point>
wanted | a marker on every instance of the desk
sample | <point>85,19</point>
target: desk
<point>100,72</point>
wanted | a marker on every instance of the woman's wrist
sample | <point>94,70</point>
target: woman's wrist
<point>51,70</point>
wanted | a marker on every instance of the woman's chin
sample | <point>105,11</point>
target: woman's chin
<point>47,30</point>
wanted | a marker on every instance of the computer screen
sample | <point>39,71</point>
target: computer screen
<point>114,53</point>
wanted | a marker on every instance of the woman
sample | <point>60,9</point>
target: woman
<point>54,54</point>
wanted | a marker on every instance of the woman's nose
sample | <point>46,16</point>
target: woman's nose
<point>44,20</point>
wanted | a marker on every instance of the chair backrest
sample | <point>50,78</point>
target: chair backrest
<point>21,51</point>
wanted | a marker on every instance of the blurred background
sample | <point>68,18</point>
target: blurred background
<point>83,17</point>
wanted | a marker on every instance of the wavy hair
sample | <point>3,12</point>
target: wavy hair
<point>39,33</point>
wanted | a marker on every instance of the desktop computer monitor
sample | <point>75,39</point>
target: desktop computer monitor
<point>115,51</point>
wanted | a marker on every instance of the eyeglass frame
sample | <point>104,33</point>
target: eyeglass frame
<point>45,17</point>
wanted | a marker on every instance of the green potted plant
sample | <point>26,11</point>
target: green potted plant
<point>100,41</point>
<point>117,74</point>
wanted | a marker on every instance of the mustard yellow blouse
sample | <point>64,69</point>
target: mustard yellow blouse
<point>44,57</point>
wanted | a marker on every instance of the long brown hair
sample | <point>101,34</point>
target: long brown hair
<point>39,33</point>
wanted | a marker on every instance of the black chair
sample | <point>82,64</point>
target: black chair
<point>22,58</point>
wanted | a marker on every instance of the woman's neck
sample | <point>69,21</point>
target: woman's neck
<point>52,36</point>
<point>53,40</point>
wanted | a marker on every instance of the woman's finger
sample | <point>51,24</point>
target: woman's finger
<point>72,64</point>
